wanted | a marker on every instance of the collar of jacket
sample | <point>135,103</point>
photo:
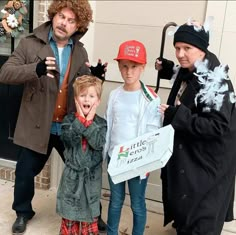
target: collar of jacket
<point>148,93</point>
<point>212,60</point>
<point>42,32</point>
<point>185,75</point>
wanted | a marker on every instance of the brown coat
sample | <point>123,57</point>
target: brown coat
<point>39,96</point>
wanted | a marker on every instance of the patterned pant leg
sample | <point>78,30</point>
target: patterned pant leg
<point>69,227</point>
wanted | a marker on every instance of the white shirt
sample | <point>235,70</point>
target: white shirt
<point>125,111</point>
<point>60,50</point>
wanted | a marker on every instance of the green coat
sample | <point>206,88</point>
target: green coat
<point>79,192</point>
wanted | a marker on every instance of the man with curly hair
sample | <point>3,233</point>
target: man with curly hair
<point>47,63</point>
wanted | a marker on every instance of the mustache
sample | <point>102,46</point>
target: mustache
<point>62,29</point>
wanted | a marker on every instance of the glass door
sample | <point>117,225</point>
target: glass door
<point>10,96</point>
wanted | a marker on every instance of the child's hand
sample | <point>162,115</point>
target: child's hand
<point>162,108</point>
<point>78,108</point>
<point>92,111</point>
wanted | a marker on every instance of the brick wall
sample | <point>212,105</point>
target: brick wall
<point>42,180</point>
<point>42,11</point>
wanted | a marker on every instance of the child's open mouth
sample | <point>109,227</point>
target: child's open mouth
<point>86,106</point>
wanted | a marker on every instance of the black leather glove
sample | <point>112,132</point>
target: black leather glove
<point>41,68</point>
<point>98,71</point>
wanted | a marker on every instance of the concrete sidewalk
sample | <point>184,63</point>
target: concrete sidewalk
<point>47,222</point>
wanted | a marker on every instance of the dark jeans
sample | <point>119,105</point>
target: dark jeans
<point>30,164</point>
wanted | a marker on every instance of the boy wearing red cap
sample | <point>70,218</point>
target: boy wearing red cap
<point>132,111</point>
<point>198,181</point>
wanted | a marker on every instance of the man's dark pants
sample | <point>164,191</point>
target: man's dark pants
<point>30,164</point>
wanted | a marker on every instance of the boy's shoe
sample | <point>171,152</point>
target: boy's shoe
<point>19,225</point>
<point>102,227</point>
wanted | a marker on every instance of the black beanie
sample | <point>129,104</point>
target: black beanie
<point>196,37</point>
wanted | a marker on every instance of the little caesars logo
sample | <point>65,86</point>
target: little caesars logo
<point>132,51</point>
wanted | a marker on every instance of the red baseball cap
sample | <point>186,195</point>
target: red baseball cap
<point>132,50</point>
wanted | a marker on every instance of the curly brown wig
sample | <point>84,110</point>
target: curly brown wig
<point>81,9</point>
